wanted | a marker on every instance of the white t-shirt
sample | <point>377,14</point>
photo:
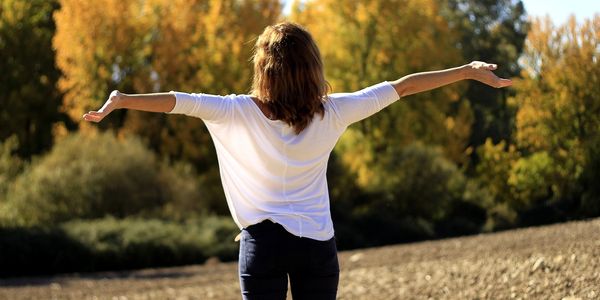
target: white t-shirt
<point>269,172</point>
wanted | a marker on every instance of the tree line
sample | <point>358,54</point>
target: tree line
<point>457,160</point>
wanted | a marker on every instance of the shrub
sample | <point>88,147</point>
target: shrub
<point>530,180</point>
<point>216,236</point>
<point>463,218</point>
<point>134,243</point>
<point>10,168</point>
<point>10,164</point>
<point>418,181</point>
<point>407,191</point>
<point>112,244</point>
<point>500,217</point>
<point>92,176</point>
<point>590,200</point>
<point>36,251</point>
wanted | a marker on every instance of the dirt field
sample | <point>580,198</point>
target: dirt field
<point>552,262</point>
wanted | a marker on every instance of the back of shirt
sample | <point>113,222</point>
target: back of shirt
<point>269,172</point>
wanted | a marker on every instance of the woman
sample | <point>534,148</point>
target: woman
<point>272,148</point>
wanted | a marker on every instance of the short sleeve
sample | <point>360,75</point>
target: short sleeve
<point>204,106</point>
<point>353,107</point>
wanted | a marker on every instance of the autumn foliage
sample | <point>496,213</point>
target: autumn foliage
<point>457,160</point>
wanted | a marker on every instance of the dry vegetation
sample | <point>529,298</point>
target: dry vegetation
<point>552,262</point>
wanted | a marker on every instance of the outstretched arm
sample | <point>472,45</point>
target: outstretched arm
<point>157,102</point>
<point>420,82</point>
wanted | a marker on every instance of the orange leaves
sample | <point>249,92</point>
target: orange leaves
<point>530,132</point>
<point>363,42</point>
<point>158,45</point>
<point>141,46</point>
<point>90,37</point>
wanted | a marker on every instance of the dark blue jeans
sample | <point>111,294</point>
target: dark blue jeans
<point>269,254</point>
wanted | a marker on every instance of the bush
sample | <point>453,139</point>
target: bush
<point>500,217</point>
<point>376,230</point>
<point>410,192</point>
<point>590,200</point>
<point>112,244</point>
<point>216,236</point>
<point>37,251</point>
<point>463,218</point>
<point>10,164</point>
<point>94,176</point>
<point>419,181</point>
<point>530,180</point>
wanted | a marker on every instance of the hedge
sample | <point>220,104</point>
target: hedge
<point>113,244</point>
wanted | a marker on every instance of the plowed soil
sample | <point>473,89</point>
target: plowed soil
<point>552,262</point>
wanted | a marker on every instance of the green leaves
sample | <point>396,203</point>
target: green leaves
<point>94,176</point>
<point>29,99</point>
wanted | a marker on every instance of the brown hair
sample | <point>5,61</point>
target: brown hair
<point>288,74</point>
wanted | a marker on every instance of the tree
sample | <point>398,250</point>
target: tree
<point>547,173</point>
<point>558,99</point>
<point>29,98</point>
<point>366,42</point>
<point>496,163</point>
<point>145,46</point>
<point>495,31</point>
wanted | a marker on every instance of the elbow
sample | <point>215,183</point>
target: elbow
<point>401,87</point>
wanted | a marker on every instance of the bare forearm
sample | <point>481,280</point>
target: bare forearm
<point>424,81</point>
<point>156,102</point>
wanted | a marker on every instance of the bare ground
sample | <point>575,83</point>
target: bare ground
<point>552,262</point>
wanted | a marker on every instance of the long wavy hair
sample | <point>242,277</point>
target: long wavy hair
<point>288,75</point>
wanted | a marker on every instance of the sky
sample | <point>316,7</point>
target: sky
<point>559,10</point>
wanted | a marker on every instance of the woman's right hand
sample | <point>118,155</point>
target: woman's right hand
<point>113,102</point>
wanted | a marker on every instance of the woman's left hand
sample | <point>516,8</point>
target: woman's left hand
<point>482,72</point>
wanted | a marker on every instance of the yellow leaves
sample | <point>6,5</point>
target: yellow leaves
<point>458,130</point>
<point>531,133</point>
<point>141,45</point>
<point>89,36</point>
<point>558,105</point>
<point>494,168</point>
<point>364,42</point>
<point>367,41</point>
<point>558,99</point>
<point>157,45</point>
<point>450,123</point>
<point>13,12</point>
<point>97,41</point>
<point>357,154</point>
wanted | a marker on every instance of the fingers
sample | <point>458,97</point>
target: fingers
<point>93,116</point>
<point>484,73</point>
<point>498,82</point>
<point>107,108</point>
<point>504,82</point>
<point>90,118</point>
